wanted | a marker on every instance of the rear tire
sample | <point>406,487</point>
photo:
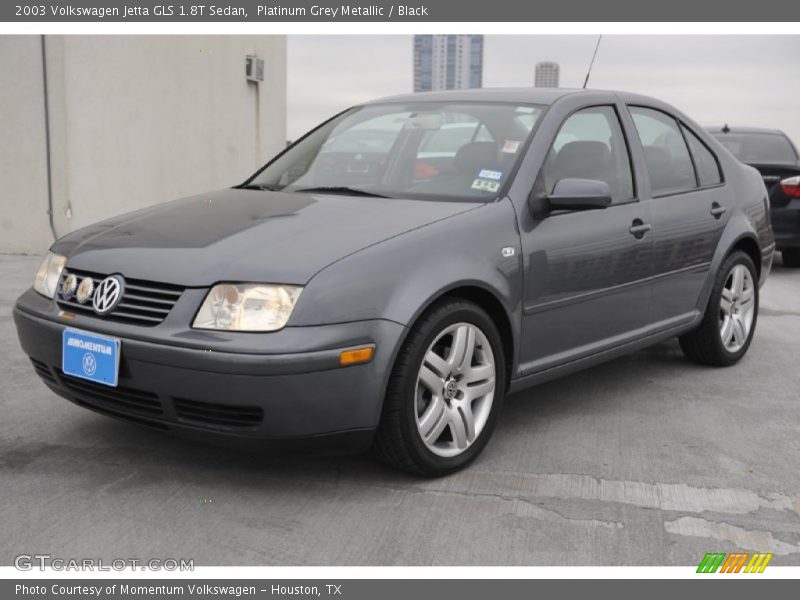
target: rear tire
<point>791,258</point>
<point>445,391</point>
<point>727,328</point>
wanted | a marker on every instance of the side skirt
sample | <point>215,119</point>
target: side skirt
<point>653,335</point>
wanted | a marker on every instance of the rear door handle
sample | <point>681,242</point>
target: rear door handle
<point>717,211</point>
<point>639,228</point>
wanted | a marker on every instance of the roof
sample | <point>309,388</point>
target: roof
<point>522,95</point>
<point>727,129</point>
<point>527,95</point>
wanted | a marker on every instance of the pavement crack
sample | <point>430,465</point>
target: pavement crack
<point>677,497</point>
<point>531,510</point>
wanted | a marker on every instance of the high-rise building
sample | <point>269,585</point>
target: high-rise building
<point>546,75</point>
<point>447,62</point>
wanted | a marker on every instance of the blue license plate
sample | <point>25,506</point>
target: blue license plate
<point>90,356</point>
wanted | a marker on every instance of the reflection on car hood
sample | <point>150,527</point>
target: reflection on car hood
<point>244,235</point>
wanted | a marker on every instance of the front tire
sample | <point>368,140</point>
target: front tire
<point>791,257</point>
<point>727,328</point>
<point>445,391</point>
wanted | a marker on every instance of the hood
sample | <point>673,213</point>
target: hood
<point>244,235</point>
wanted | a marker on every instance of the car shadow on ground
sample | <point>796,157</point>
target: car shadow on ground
<point>124,443</point>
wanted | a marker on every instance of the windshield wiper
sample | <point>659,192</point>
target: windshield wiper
<point>339,189</point>
<point>256,186</point>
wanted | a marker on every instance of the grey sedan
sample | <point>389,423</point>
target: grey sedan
<point>389,278</point>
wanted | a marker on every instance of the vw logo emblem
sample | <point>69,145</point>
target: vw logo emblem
<point>89,364</point>
<point>450,389</point>
<point>108,294</point>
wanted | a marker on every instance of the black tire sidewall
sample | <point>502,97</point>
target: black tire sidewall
<point>424,457</point>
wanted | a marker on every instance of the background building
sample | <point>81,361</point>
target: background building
<point>546,75</point>
<point>129,121</point>
<point>447,62</point>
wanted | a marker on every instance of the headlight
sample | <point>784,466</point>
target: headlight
<point>247,307</point>
<point>48,274</point>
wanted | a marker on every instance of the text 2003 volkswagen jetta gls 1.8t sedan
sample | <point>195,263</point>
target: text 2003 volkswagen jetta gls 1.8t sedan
<point>391,276</point>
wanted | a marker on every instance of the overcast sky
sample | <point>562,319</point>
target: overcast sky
<point>740,80</point>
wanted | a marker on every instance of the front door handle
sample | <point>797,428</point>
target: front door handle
<point>717,211</point>
<point>639,228</point>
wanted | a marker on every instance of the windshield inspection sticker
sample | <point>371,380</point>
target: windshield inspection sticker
<point>510,146</point>
<point>488,174</point>
<point>485,185</point>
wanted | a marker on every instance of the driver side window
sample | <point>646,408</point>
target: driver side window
<point>591,145</point>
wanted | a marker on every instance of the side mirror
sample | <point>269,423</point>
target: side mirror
<point>580,194</point>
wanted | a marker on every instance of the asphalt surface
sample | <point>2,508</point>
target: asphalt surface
<point>646,460</point>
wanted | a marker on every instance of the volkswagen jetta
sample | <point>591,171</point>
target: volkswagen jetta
<point>390,277</point>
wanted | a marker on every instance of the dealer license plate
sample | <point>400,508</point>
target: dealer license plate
<point>90,356</point>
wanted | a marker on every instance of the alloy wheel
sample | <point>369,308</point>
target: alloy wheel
<point>455,389</point>
<point>737,308</point>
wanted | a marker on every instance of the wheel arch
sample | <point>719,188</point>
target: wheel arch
<point>490,302</point>
<point>749,246</point>
<point>739,234</point>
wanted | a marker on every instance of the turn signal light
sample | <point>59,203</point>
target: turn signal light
<point>791,187</point>
<point>356,356</point>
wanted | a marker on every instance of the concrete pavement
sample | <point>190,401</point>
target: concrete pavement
<point>646,460</point>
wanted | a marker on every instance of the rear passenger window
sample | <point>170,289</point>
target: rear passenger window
<point>590,145</point>
<point>668,162</point>
<point>704,161</point>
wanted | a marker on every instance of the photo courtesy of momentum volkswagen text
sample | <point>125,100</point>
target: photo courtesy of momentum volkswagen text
<point>321,299</point>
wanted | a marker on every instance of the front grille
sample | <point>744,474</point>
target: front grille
<point>43,371</point>
<point>128,400</point>
<point>143,302</point>
<point>145,407</point>
<point>104,410</point>
<point>218,415</point>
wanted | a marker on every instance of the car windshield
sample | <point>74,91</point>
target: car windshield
<point>419,150</point>
<point>759,147</point>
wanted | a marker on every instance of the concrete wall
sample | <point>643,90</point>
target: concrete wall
<point>134,121</point>
<point>23,176</point>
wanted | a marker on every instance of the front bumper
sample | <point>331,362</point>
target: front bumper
<point>293,397</point>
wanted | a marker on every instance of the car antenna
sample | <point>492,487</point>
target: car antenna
<point>726,129</point>
<point>591,64</point>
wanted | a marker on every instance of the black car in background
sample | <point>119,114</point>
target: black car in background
<point>776,157</point>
